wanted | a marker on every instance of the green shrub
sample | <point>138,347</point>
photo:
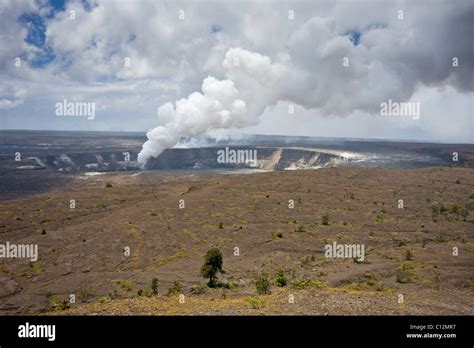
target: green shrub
<point>325,220</point>
<point>306,260</point>
<point>281,280</point>
<point>144,293</point>
<point>175,288</point>
<point>401,243</point>
<point>86,295</point>
<point>58,304</point>
<point>277,235</point>
<point>460,211</point>
<point>109,184</point>
<point>198,289</point>
<point>404,277</point>
<point>406,273</point>
<point>154,286</point>
<point>262,283</point>
<point>300,228</point>
<point>302,284</point>
<point>254,302</point>
<point>61,306</point>
<point>126,285</point>
<point>224,285</point>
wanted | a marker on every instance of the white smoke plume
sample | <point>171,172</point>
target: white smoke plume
<point>388,62</point>
<point>220,105</point>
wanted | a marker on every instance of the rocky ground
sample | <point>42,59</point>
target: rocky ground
<point>409,266</point>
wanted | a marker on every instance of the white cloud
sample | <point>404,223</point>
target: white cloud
<point>296,60</point>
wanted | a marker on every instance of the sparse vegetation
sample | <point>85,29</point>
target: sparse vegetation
<point>405,247</point>
<point>405,273</point>
<point>175,288</point>
<point>401,243</point>
<point>109,184</point>
<point>379,218</point>
<point>198,289</point>
<point>277,235</point>
<point>449,212</point>
<point>307,259</point>
<point>126,285</point>
<point>144,293</point>
<point>36,266</point>
<point>302,284</point>
<point>57,304</point>
<point>173,257</point>
<point>300,228</point>
<point>254,302</point>
<point>86,295</point>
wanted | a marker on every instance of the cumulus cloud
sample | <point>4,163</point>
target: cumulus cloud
<point>11,95</point>
<point>281,60</point>
<point>322,69</point>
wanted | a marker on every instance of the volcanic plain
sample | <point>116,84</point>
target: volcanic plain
<point>124,229</point>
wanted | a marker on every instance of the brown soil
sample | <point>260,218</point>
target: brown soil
<point>408,251</point>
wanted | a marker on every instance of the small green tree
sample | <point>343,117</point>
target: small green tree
<point>154,286</point>
<point>213,261</point>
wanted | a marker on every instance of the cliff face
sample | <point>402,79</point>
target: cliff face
<point>267,158</point>
<point>264,158</point>
<point>107,161</point>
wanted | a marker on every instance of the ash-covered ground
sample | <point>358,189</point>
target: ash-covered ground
<point>37,161</point>
<point>418,257</point>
